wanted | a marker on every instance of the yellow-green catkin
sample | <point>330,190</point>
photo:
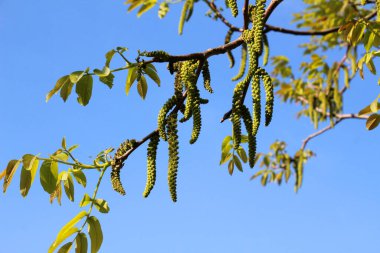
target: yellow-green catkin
<point>206,77</point>
<point>178,86</point>
<point>184,13</point>
<point>258,23</point>
<point>157,54</point>
<point>151,164</point>
<point>233,6</point>
<point>188,78</point>
<point>378,9</point>
<point>172,133</point>
<point>246,115</point>
<point>117,166</point>
<point>230,56</point>
<point>161,120</point>
<point>269,96</point>
<point>197,118</point>
<point>265,50</point>
<point>256,104</point>
<point>243,63</point>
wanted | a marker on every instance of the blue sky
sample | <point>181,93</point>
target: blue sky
<point>335,211</point>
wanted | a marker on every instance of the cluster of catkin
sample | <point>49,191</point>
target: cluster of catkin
<point>253,44</point>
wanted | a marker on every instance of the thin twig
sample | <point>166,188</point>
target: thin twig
<point>323,130</point>
<point>219,15</point>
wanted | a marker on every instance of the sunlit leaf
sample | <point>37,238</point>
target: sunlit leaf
<point>9,173</point>
<point>151,72</point>
<point>132,74</point>
<point>142,87</point>
<point>65,248</point>
<point>84,89</point>
<point>81,243</point>
<point>373,121</point>
<point>28,173</point>
<point>109,56</point>
<point>102,73</point>
<point>95,232</point>
<point>85,200</point>
<point>60,83</point>
<point>101,205</point>
<point>68,185</point>
<point>67,230</point>
<point>80,177</point>
<point>49,176</point>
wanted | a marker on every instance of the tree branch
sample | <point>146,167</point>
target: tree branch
<point>340,117</point>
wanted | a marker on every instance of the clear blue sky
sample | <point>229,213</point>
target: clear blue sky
<point>337,210</point>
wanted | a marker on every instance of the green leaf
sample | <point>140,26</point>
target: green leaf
<point>60,83</point>
<point>49,176</point>
<point>101,205</point>
<point>242,154</point>
<point>85,200</point>
<point>226,141</point>
<point>77,75</point>
<point>68,185</point>
<point>65,248</point>
<point>9,173</point>
<point>373,121</point>
<point>28,173</point>
<point>238,163</point>
<point>73,147</point>
<point>231,166</point>
<point>107,80</point>
<point>60,155</point>
<point>63,143</point>
<point>67,230</point>
<point>132,74</point>
<point>371,66</point>
<point>109,56</point>
<point>142,87</point>
<point>57,193</point>
<point>374,106</point>
<point>80,177</point>
<point>95,232</point>
<point>151,72</point>
<point>66,90</point>
<point>163,10</point>
<point>102,73</point>
<point>225,158</point>
<point>84,90</point>
<point>146,6</point>
<point>81,243</point>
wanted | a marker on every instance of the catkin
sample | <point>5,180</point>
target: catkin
<point>258,25</point>
<point>243,63</point>
<point>233,6</point>
<point>229,53</point>
<point>161,120</point>
<point>246,115</point>
<point>151,164</point>
<point>256,104</point>
<point>265,50</point>
<point>117,166</point>
<point>269,97</point>
<point>378,10</point>
<point>173,155</point>
<point>157,54</point>
<point>206,77</point>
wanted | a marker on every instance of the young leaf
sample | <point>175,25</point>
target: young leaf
<point>57,193</point>
<point>60,83</point>
<point>67,230</point>
<point>81,243</point>
<point>231,166</point>
<point>101,205</point>
<point>65,248</point>
<point>76,76</point>
<point>28,172</point>
<point>242,154</point>
<point>85,200</point>
<point>132,74</point>
<point>95,232</point>
<point>63,144</point>
<point>142,87</point>
<point>109,56</point>
<point>9,173</point>
<point>107,80</point>
<point>49,176</point>
<point>84,90</point>
<point>373,121</point>
<point>145,7</point>
<point>69,187</point>
<point>66,91</point>
<point>80,177</point>
<point>152,73</point>
<point>102,73</point>
<point>238,163</point>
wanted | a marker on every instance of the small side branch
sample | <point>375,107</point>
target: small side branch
<point>340,117</point>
